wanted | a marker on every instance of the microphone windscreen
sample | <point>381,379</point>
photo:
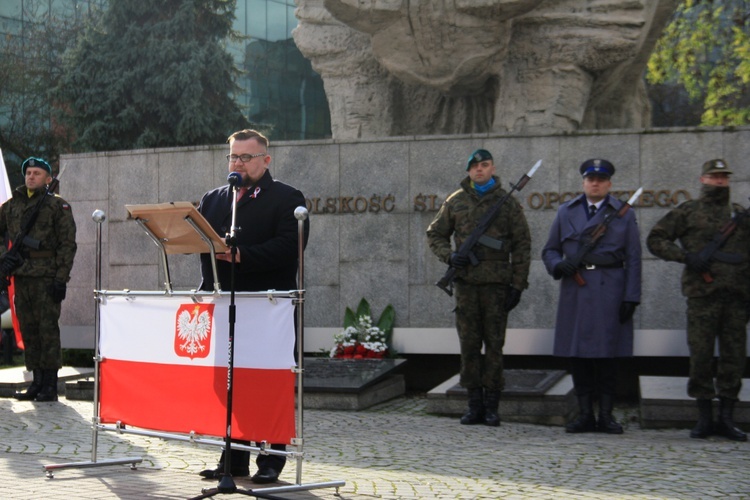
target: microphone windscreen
<point>234,179</point>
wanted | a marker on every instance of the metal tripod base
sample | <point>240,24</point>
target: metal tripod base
<point>226,486</point>
<point>84,465</point>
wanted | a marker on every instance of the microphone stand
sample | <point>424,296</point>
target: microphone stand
<point>226,483</point>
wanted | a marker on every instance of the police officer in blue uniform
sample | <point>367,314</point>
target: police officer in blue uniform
<point>594,323</point>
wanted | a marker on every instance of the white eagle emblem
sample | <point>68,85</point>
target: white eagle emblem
<point>193,332</point>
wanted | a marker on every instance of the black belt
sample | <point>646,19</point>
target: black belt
<point>38,254</point>
<point>613,265</point>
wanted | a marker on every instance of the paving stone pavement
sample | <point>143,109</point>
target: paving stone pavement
<point>394,450</point>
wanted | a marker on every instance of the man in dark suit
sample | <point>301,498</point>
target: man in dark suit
<point>594,324</point>
<point>267,253</point>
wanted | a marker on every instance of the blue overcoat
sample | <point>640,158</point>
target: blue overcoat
<point>588,324</point>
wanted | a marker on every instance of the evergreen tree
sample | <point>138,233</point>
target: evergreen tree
<point>152,74</point>
<point>706,49</point>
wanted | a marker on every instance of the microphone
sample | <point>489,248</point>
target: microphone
<point>235,180</point>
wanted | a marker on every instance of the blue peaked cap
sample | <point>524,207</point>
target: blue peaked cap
<point>598,167</point>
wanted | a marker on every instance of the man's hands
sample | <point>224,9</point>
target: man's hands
<point>10,262</point>
<point>512,299</point>
<point>58,289</point>
<point>565,268</point>
<point>697,263</point>
<point>627,309</point>
<point>459,261</point>
<point>227,256</point>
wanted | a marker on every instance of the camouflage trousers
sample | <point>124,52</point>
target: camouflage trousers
<point>38,318</point>
<point>721,316</point>
<point>481,321</point>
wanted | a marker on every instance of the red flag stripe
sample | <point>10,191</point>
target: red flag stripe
<point>177,398</point>
<point>13,317</point>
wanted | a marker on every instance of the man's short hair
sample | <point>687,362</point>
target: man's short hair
<point>248,133</point>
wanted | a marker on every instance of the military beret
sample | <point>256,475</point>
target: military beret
<point>35,162</point>
<point>715,167</point>
<point>478,156</point>
<point>598,167</point>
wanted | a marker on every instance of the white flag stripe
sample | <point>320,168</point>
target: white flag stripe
<point>6,190</point>
<point>144,329</point>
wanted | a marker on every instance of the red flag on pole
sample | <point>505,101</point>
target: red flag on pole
<point>6,191</point>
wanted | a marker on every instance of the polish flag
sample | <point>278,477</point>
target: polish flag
<point>6,191</point>
<point>164,365</point>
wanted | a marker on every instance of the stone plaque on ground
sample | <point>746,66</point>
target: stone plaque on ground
<point>522,382</point>
<point>530,396</point>
<point>346,375</point>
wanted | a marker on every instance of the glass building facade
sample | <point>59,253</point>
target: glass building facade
<point>280,93</point>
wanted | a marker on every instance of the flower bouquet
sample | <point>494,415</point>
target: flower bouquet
<point>360,339</point>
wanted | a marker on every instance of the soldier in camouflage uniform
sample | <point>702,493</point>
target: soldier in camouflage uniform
<point>488,291</point>
<point>40,274</point>
<point>717,295</point>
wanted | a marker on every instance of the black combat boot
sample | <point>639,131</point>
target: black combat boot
<point>607,422</point>
<point>491,404</point>
<point>239,466</point>
<point>34,388</point>
<point>705,424</point>
<point>475,413</point>
<point>49,386</point>
<point>725,423</point>
<point>585,421</point>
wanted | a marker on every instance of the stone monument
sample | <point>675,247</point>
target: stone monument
<point>398,67</point>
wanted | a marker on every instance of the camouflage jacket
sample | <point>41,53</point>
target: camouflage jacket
<point>459,216</point>
<point>54,228</point>
<point>695,223</point>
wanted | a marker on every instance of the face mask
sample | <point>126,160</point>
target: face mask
<point>715,194</point>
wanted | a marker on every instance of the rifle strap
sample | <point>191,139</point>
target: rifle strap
<point>32,216</point>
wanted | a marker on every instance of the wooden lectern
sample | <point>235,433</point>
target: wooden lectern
<point>178,228</point>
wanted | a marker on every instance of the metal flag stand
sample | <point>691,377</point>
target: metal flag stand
<point>200,226</point>
<point>99,217</point>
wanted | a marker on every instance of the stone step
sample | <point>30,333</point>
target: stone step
<point>530,396</point>
<point>16,379</point>
<point>664,403</point>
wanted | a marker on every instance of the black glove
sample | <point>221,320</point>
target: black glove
<point>627,309</point>
<point>57,290</point>
<point>10,262</point>
<point>565,268</point>
<point>697,263</point>
<point>458,261</point>
<point>512,299</point>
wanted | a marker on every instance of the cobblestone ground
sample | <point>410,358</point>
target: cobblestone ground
<point>392,451</point>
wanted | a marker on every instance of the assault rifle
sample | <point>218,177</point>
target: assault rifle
<point>21,241</point>
<point>467,247</point>
<point>711,250</point>
<point>597,234</point>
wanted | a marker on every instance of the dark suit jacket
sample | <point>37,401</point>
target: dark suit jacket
<point>267,241</point>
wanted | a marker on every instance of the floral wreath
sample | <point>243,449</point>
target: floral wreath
<point>360,338</point>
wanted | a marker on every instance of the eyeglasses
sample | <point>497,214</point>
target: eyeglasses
<point>243,158</point>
